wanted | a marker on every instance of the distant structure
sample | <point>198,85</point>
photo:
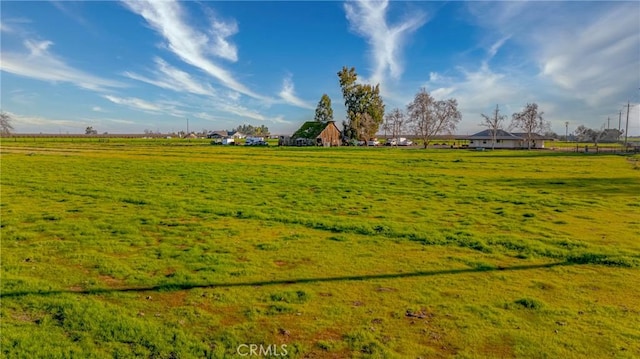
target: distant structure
<point>504,139</point>
<point>225,134</point>
<point>314,133</point>
<point>610,135</point>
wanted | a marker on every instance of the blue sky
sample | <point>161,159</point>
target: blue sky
<point>123,67</point>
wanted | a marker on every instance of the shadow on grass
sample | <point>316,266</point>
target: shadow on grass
<point>546,153</point>
<point>186,286</point>
<point>601,186</point>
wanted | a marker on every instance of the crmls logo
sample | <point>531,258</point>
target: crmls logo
<point>262,350</point>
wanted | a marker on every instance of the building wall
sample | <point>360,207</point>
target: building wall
<point>501,144</point>
<point>537,143</point>
<point>330,136</point>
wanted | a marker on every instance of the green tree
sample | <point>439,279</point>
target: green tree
<point>365,109</point>
<point>5,123</point>
<point>90,131</point>
<point>251,130</point>
<point>324,112</point>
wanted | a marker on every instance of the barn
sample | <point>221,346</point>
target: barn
<point>315,133</point>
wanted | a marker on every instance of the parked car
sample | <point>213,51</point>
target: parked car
<point>404,142</point>
<point>255,141</point>
<point>373,142</point>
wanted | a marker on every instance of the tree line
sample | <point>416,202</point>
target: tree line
<point>424,117</point>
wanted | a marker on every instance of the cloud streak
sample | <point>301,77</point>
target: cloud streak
<point>594,53</point>
<point>190,45</point>
<point>369,20</point>
<point>171,78</point>
<point>39,63</point>
<point>288,95</point>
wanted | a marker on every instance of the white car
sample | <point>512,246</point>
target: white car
<point>405,142</point>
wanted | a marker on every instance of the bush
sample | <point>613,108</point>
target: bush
<point>529,303</point>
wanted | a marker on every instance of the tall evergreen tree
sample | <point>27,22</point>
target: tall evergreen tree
<point>324,112</point>
<point>365,108</point>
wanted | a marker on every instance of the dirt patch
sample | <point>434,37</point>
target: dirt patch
<point>501,347</point>
<point>110,281</point>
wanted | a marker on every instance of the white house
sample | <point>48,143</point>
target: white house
<point>504,139</point>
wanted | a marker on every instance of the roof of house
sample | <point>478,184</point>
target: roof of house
<point>219,133</point>
<point>311,129</point>
<point>502,135</point>
<point>487,135</point>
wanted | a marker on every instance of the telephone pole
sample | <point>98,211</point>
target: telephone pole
<point>627,128</point>
<point>566,131</point>
<point>619,121</point>
<point>187,126</point>
<point>608,122</point>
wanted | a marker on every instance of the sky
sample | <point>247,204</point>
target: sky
<point>130,66</point>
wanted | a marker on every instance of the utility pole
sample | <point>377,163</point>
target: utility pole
<point>619,121</point>
<point>608,122</point>
<point>187,126</point>
<point>566,131</point>
<point>627,128</point>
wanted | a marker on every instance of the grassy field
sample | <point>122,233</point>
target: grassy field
<point>170,249</point>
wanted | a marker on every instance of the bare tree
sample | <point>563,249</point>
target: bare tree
<point>585,134</point>
<point>430,117</point>
<point>5,123</point>
<point>395,122</point>
<point>530,121</point>
<point>494,124</point>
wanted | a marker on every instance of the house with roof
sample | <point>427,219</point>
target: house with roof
<point>315,133</point>
<point>610,135</point>
<point>504,139</point>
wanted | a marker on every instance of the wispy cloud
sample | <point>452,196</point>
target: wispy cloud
<point>594,52</point>
<point>219,33</point>
<point>493,50</point>
<point>599,63</point>
<point>97,109</point>
<point>478,89</point>
<point>169,77</point>
<point>369,20</point>
<point>191,45</point>
<point>288,94</point>
<point>35,124</point>
<point>13,25</point>
<point>140,104</point>
<point>39,63</point>
<point>70,9</point>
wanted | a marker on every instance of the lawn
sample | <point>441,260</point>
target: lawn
<point>166,248</point>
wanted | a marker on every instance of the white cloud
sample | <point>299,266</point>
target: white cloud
<point>139,104</point>
<point>288,95</point>
<point>39,124</point>
<point>38,63</point>
<point>169,77</point>
<point>97,109</point>
<point>493,50</point>
<point>580,61</point>
<point>190,45</point>
<point>596,65</point>
<point>220,30</point>
<point>369,20</point>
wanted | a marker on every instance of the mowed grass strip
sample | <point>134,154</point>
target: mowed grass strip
<point>166,248</point>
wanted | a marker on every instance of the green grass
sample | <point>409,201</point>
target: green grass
<point>165,248</point>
